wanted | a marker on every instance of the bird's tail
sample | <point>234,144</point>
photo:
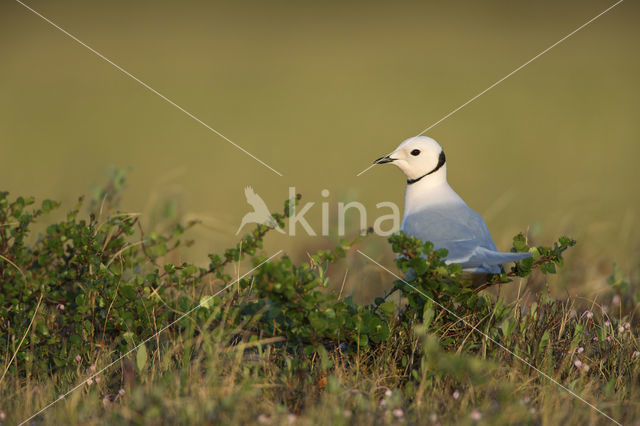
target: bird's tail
<point>485,257</point>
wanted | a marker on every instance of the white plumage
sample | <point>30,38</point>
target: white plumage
<point>434,212</point>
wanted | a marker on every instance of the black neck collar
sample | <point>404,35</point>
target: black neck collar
<point>441,161</point>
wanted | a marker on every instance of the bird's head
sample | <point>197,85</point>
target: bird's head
<point>418,157</point>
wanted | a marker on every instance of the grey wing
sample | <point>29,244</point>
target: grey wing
<point>463,233</point>
<point>455,227</point>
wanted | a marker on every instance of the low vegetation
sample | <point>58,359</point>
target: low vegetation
<point>98,316</point>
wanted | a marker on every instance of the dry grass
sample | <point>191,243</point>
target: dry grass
<point>441,375</point>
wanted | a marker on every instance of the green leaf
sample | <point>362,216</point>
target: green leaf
<point>427,248</point>
<point>141,357</point>
<point>325,362</point>
<point>317,321</point>
<point>544,341</point>
<point>363,341</point>
<point>548,268</point>
<point>388,309</point>
<point>441,253</point>
<point>128,337</point>
<point>520,243</point>
<point>535,252</point>
<point>206,302</point>
<point>428,314</point>
<point>47,205</point>
<point>507,327</point>
<point>128,291</point>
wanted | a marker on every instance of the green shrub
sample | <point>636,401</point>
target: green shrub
<point>96,283</point>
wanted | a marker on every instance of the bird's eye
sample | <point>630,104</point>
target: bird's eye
<point>415,152</point>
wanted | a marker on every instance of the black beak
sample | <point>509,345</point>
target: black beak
<point>384,160</point>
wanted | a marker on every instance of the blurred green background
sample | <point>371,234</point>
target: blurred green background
<point>320,89</point>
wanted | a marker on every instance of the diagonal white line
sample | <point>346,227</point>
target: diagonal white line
<point>475,328</point>
<point>63,396</point>
<point>146,86</point>
<point>510,74</point>
<point>519,68</point>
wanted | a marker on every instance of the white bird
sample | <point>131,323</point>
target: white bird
<point>434,212</point>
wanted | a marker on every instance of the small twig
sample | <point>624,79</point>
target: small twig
<point>245,345</point>
<point>344,280</point>
<point>122,250</point>
<point>512,274</point>
<point>9,261</point>
<point>393,290</point>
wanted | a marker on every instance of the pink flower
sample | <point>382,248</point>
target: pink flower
<point>97,379</point>
<point>382,403</point>
<point>616,300</point>
<point>636,354</point>
<point>121,392</point>
<point>586,367</point>
<point>398,413</point>
<point>577,363</point>
<point>78,358</point>
<point>595,338</point>
<point>580,350</point>
<point>607,323</point>
<point>388,393</point>
<point>456,394</point>
<point>89,381</point>
<point>476,415</point>
<point>60,306</point>
<point>587,314</point>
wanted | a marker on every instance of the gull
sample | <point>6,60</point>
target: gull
<point>434,212</point>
